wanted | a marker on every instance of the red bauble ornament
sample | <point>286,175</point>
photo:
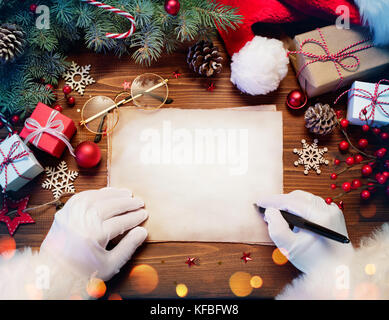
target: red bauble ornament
<point>365,128</point>
<point>88,154</point>
<point>344,123</point>
<point>58,108</point>
<point>296,99</point>
<point>385,174</point>
<point>15,119</point>
<point>384,136</point>
<point>329,200</point>
<point>33,8</point>
<point>344,145</point>
<point>363,143</point>
<point>350,161</point>
<point>381,152</point>
<point>333,176</point>
<point>367,170</point>
<point>358,158</point>
<point>333,186</point>
<point>172,7</point>
<point>381,179</point>
<point>365,194</point>
<point>49,87</point>
<point>346,186</point>
<point>67,89</point>
<point>356,183</point>
<point>71,101</point>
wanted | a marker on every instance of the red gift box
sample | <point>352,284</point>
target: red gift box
<point>48,142</point>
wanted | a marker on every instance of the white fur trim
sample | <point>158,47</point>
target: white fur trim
<point>375,14</point>
<point>31,275</point>
<point>351,279</point>
<point>259,66</point>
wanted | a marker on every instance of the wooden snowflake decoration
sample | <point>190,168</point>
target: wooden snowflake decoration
<point>311,156</point>
<point>78,77</point>
<point>59,180</point>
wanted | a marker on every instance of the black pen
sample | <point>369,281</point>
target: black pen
<point>302,223</point>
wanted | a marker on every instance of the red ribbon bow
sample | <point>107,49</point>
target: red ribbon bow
<point>337,58</point>
<point>374,102</point>
<point>10,159</point>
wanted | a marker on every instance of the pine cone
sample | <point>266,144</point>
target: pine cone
<point>11,42</point>
<point>204,58</point>
<point>320,119</point>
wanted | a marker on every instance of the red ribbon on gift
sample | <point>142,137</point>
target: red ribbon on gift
<point>10,159</point>
<point>374,102</point>
<point>337,58</point>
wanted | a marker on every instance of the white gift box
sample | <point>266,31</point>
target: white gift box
<point>357,103</point>
<point>27,167</point>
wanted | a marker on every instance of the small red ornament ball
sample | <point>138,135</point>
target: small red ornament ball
<point>337,162</point>
<point>350,161</point>
<point>15,119</point>
<point>356,183</point>
<point>71,101</point>
<point>329,200</point>
<point>344,145</point>
<point>365,128</point>
<point>358,158</point>
<point>363,143</point>
<point>365,194</point>
<point>333,186</point>
<point>339,114</point>
<point>333,176</point>
<point>367,170</point>
<point>49,87</point>
<point>296,99</point>
<point>381,152</point>
<point>377,130</point>
<point>33,8</point>
<point>344,123</point>
<point>67,89</point>
<point>88,154</point>
<point>346,186</point>
<point>172,7</point>
<point>384,136</point>
<point>58,108</point>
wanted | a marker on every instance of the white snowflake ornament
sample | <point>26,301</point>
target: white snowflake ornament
<point>78,77</point>
<point>311,156</point>
<point>59,180</point>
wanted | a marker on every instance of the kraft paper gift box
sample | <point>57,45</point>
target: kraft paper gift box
<point>17,163</point>
<point>326,75</point>
<point>48,142</point>
<point>359,99</point>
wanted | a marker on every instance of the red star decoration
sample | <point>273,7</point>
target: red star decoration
<point>176,74</point>
<point>211,86</point>
<point>192,261</point>
<point>126,85</point>
<point>21,216</point>
<point>246,257</point>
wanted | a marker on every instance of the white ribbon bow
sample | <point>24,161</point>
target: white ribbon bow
<point>53,127</point>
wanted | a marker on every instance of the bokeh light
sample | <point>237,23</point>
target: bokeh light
<point>366,291</point>
<point>115,296</point>
<point>7,247</point>
<point>240,284</point>
<point>256,282</point>
<point>370,269</point>
<point>280,256</point>
<point>368,210</point>
<point>181,290</point>
<point>96,288</point>
<point>144,278</point>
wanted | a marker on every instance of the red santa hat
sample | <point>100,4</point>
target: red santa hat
<point>258,64</point>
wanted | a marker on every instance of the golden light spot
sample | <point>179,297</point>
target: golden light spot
<point>256,282</point>
<point>368,210</point>
<point>240,284</point>
<point>181,290</point>
<point>366,291</point>
<point>96,288</point>
<point>280,256</point>
<point>7,247</point>
<point>370,269</point>
<point>144,278</point>
<point>115,296</point>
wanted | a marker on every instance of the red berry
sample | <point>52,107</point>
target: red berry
<point>356,183</point>
<point>15,119</point>
<point>341,205</point>
<point>367,170</point>
<point>350,161</point>
<point>358,158</point>
<point>337,162</point>
<point>381,152</point>
<point>1,124</point>
<point>344,145</point>
<point>363,143</point>
<point>71,101</point>
<point>67,89</point>
<point>49,87</point>
<point>333,186</point>
<point>346,186</point>
<point>333,176</point>
<point>365,194</point>
<point>381,179</point>
<point>344,123</point>
<point>384,136</point>
<point>365,128</point>
<point>376,130</point>
<point>329,200</point>
<point>33,7</point>
<point>58,108</point>
<point>385,174</point>
<point>364,111</point>
<point>338,114</point>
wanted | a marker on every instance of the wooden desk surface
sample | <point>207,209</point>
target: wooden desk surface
<point>218,261</point>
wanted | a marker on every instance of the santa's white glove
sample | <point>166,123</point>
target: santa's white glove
<point>89,220</point>
<point>305,249</point>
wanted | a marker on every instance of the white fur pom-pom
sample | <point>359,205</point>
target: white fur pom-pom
<point>259,66</point>
<point>375,14</point>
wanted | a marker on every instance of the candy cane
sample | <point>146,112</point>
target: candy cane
<point>117,11</point>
